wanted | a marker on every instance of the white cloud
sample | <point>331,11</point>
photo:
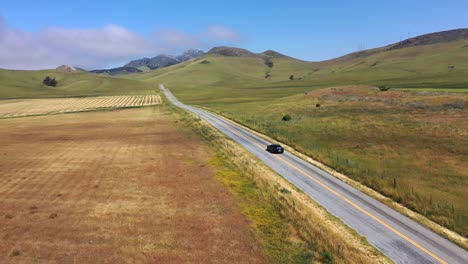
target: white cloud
<point>219,32</point>
<point>174,38</point>
<point>92,48</point>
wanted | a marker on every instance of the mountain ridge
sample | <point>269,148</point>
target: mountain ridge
<point>164,60</point>
<point>421,40</point>
<point>161,61</point>
<point>156,62</point>
<point>240,52</point>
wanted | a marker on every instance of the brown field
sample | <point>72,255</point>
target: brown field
<point>127,186</point>
<point>27,107</point>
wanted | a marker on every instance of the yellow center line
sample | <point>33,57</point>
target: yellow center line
<point>350,202</point>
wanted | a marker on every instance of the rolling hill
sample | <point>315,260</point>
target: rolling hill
<point>225,74</point>
<point>437,61</point>
<point>28,84</point>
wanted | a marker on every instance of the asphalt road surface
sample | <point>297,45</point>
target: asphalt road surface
<point>398,237</point>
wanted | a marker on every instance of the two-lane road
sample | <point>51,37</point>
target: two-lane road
<point>398,237</point>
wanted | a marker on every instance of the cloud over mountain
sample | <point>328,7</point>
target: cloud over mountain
<point>98,47</point>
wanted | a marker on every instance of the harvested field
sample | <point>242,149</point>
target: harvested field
<point>27,107</point>
<point>127,186</point>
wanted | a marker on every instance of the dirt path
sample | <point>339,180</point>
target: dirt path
<point>127,186</point>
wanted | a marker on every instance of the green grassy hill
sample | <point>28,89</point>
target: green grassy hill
<point>28,84</point>
<point>224,79</point>
<point>243,78</point>
<point>416,66</point>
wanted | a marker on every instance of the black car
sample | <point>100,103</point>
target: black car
<point>275,148</point>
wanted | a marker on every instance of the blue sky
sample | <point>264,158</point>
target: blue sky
<point>309,30</point>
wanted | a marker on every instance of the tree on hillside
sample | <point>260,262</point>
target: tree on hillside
<point>46,80</point>
<point>268,63</point>
<point>53,82</point>
<point>49,81</point>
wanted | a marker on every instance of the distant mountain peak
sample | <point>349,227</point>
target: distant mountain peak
<point>274,54</point>
<point>66,68</point>
<point>153,63</point>
<point>190,54</point>
<point>117,71</point>
<point>239,52</point>
<point>232,52</point>
<point>164,60</point>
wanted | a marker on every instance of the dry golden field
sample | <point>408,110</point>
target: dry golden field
<point>127,186</point>
<point>28,107</point>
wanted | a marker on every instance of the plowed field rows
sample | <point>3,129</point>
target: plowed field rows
<point>27,107</point>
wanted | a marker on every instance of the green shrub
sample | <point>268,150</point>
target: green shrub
<point>383,88</point>
<point>327,257</point>
<point>286,117</point>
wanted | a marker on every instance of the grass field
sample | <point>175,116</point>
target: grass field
<point>374,137</point>
<point>126,186</point>
<point>28,84</point>
<point>28,107</point>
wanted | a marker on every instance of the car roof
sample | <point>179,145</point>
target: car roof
<point>276,145</point>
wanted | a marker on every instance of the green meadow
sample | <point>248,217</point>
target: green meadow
<point>402,144</point>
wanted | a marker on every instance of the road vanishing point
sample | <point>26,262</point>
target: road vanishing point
<point>395,235</point>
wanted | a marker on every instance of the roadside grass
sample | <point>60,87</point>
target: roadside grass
<point>28,84</point>
<point>416,155</point>
<point>292,227</point>
<point>280,244</point>
<point>264,211</point>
